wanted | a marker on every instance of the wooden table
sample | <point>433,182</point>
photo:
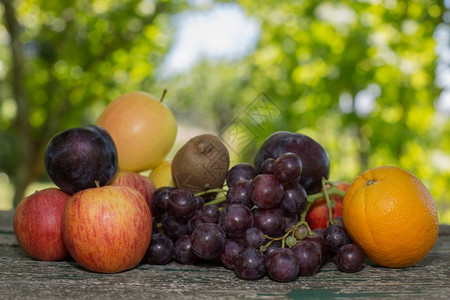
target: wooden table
<point>22,277</point>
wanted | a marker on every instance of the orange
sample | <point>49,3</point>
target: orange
<point>391,215</point>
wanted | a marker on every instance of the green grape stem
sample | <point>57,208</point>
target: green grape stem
<point>326,192</point>
<point>328,189</point>
<point>218,190</point>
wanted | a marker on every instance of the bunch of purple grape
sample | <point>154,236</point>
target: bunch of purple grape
<point>258,226</point>
<point>254,231</point>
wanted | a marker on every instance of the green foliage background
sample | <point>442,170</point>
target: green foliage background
<point>63,61</point>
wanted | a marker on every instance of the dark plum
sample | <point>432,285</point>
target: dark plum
<point>314,158</point>
<point>240,172</point>
<point>81,158</point>
<point>208,241</point>
<point>160,250</point>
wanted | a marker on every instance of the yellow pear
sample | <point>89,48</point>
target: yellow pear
<point>161,175</point>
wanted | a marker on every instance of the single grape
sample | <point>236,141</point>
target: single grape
<point>318,241</point>
<point>271,221</point>
<point>267,167</point>
<point>335,237</point>
<point>349,258</point>
<point>209,213</point>
<point>287,168</point>
<point>232,248</point>
<point>208,241</point>
<point>160,199</point>
<point>239,172</point>
<point>199,202</point>
<point>291,241</point>
<point>182,204</point>
<point>266,191</point>
<point>319,232</point>
<point>308,256</point>
<point>253,237</point>
<point>239,193</point>
<point>160,250</point>
<point>273,245</point>
<point>250,264</point>
<point>172,227</point>
<point>194,222</point>
<point>301,232</point>
<point>291,220</point>
<point>282,265</point>
<point>235,220</point>
<point>294,200</point>
<point>182,251</point>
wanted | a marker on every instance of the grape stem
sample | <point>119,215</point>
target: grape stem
<point>328,189</point>
<point>326,192</point>
<point>218,200</point>
<point>218,190</point>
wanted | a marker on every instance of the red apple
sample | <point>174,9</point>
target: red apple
<point>38,224</point>
<point>143,130</point>
<point>142,184</point>
<point>317,216</point>
<point>107,229</point>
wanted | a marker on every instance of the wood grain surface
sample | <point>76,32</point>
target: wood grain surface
<point>24,278</point>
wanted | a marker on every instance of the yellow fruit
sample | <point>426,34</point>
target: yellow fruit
<point>143,129</point>
<point>162,174</point>
<point>391,215</point>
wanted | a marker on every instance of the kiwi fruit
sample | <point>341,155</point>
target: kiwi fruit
<point>201,164</point>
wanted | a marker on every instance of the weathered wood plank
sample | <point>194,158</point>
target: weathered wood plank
<point>21,277</point>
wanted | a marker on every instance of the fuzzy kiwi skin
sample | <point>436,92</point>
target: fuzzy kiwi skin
<point>201,164</point>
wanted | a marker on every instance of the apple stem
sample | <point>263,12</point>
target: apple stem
<point>163,95</point>
<point>97,183</point>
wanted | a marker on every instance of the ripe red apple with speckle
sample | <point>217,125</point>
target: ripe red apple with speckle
<point>142,184</point>
<point>107,229</point>
<point>38,224</point>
